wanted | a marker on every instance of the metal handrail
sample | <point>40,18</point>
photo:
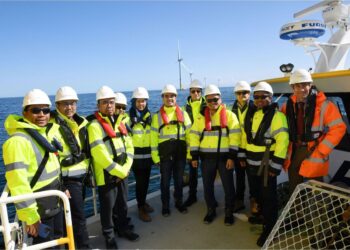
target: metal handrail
<point>8,227</point>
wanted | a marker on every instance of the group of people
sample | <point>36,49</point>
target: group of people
<point>60,150</point>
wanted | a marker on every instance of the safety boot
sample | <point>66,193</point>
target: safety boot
<point>254,207</point>
<point>148,208</point>
<point>190,200</point>
<point>143,215</point>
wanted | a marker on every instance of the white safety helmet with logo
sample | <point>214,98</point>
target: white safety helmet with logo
<point>104,92</point>
<point>66,93</point>
<point>170,89</point>
<point>196,84</point>
<point>120,98</point>
<point>299,76</point>
<point>263,86</point>
<point>36,96</point>
<point>211,89</point>
<point>140,93</point>
<point>242,86</point>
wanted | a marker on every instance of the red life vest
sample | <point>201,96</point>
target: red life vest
<point>179,115</point>
<point>108,128</point>
<point>223,118</point>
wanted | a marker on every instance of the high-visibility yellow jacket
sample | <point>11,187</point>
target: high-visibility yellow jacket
<point>78,128</point>
<point>22,156</point>
<point>141,138</point>
<point>170,132</point>
<point>278,132</point>
<point>241,112</point>
<point>193,108</point>
<point>205,143</point>
<point>102,152</point>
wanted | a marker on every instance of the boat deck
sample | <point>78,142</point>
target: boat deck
<point>184,231</point>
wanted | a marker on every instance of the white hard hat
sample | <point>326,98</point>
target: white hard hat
<point>300,75</point>
<point>242,86</point>
<point>104,92</point>
<point>120,98</point>
<point>196,84</point>
<point>211,89</point>
<point>36,96</point>
<point>169,88</point>
<point>140,93</point>
<point>263,86</point>
<point>66,93</point>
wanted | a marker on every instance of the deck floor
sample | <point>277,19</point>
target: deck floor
<point>184,231</point>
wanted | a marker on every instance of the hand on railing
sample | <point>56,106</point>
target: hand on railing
<point>33,229</point>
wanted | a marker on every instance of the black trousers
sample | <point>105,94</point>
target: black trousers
<point>193,180</point>
<point>209,169</point>
<point>81,236</point>
<point>168,168</point>
<point>142,172</point>
<point>241,173</point>
<point>113,208</point>
<point>266,197</point>
<point>55,223</point>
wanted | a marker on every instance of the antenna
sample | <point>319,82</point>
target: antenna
<point>179,59</point>
<point>315,7</point>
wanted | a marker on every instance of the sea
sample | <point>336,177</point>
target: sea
<point>86,106</point>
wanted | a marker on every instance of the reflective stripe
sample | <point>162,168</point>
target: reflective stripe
<point>253,134</point>
<point>147,156</point>
<point>154,129</point>
<point>154,148</point>
<point>213,150</point>
<point>15,166</point>
<point>335,122</point>
<point>316,160</point>
<point>274,133</point>
<point>254,163</point>
<point>111,167</point>
<point>195,132</point>
<point>275,165</point>
<point>140,132</point>
<point>188,126</point>
<point>241,155</point>
<point>167,136</point>
<point>235,131</point>
<point>130,155</point>
<point>70,173</point>
<point>328,143</point>
<point>95,143</point>
<point>24,204</point>
<point>215,133</point>
<point>194,148</point>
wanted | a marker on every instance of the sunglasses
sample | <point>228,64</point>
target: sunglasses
<point>242,93</point>
<point>37,111</point>
<point>120,107</point>
<point>261,97</point>
<point>195,91</point>
<point>213,100</point>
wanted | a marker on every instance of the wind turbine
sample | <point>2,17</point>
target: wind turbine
<point>179,59</point>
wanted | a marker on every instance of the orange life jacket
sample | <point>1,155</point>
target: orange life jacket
<point>108,128</point>
<point>223,118</point>
<point>179,115</point>
<point>328,121</point>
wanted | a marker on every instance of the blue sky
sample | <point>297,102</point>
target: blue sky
<point>87,44</point>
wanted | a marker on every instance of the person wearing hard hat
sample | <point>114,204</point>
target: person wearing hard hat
<point>74,158</point>
<point>195,102</point>
<point>214,139</point>
<point>240,107</point>
<point>140,120</point>
<point>267,142</point>
<point>315,128</point>
<point>32,165</point>
<point>112,156</point>
<point>169,138</point>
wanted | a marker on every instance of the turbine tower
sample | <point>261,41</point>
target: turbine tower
<point>179,59</point>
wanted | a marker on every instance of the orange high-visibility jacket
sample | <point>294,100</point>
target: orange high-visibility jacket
<point>329,122</point>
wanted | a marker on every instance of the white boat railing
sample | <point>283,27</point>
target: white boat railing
<point>8,228</point>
